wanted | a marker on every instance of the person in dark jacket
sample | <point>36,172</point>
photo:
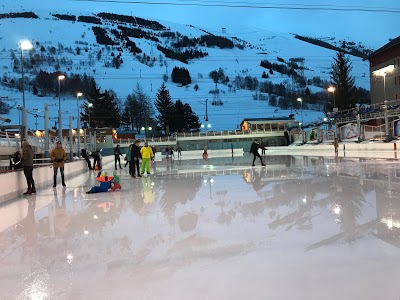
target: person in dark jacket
<point>117,154</point>
<point>286,133</point>
<point>27,164</point>
<point>254,150</point>
<point>86,157</point>
<point>135,156</point>
<point>15,161</point>
<point>96,159</point>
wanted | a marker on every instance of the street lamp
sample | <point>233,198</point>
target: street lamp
<point>207,127</point>
<point>382,73</point>
<point>332,90</point>
<point>78,127</point>
<point>24,45</point>
<point>146,130</point>
<point>90,105</point>
<point>301,108</point>
<point>60,77</point>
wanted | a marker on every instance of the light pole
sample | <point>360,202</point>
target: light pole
<point>332,90</point>
<point>208,126</point>
<point>147,130</point>
<point>60,77</point>
<point>382,73</point>
<point>301,108</point>
<point>78,125</point>
<point>24,45</point>
<point>90,105</point>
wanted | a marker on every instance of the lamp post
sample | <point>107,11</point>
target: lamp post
<point>301,108</point>
<point>24,45</point>
<point>147,130</point>
<point>90,105</point>
<point>332,90</point>
<point>207,127</point>
<point>78,125</point>
<point>382,73</point>
<point>60,77</point>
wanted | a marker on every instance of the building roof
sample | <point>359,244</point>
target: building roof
<point>389,45</point>
<point>269,119</point>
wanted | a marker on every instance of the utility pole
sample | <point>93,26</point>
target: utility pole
<point>206,110</point>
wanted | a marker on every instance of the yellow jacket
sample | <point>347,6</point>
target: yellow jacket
<point>58,154</point>
<point>146,152</point>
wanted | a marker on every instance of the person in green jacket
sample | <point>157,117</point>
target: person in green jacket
<point>128,158</point>
<point>147,154</point>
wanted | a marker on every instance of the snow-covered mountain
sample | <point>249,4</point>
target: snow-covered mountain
<point>49,33</point>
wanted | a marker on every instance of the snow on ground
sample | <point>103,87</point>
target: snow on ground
<point>265,44</point>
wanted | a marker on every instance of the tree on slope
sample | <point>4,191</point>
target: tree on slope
<point>165,108</point>
<point>138,109</point>
<point>192,120</point>
<point>104,112</point>
<point>343,81</point>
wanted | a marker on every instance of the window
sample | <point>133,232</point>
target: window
<point>395,80</point>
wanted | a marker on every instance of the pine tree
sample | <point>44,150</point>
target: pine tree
<point>343,81</point>
<point>165,108</point>
<point>141,108</point>
<point>104,112</point>
<point>180,120</point>
<point>126,120</point>
<point>192,119</point>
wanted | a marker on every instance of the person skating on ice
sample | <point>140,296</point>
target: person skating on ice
<point>254,150</point>
<point>147,154</point>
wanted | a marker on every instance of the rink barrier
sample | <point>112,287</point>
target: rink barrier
<point>349,146</point>
<point>14,183</point>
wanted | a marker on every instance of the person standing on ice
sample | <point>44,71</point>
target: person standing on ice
<point>58,157</point>
<point>117,154</point>
<point>254,150</point>
<point>135,157</point>
<point>147,154</point>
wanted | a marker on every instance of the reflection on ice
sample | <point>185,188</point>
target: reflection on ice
<point>162,229</point>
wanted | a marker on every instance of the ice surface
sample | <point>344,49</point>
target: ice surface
<point>300,228</point>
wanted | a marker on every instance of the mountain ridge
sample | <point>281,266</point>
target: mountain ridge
<point>243,59</point>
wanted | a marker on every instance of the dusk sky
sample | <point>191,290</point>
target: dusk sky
<point>373,28</point>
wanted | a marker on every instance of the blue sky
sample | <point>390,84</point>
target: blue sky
<point>372,28</point>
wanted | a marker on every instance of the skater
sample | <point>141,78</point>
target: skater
<point>128,158</point>
<point>117,154</point>
<point>205,153</point>
<point>336,145</point>
<point>179,149</point>
<point>146,154</point>
<point>287,139</point>
<point>86,157</point>
<point>105,184</point>
<point>171,152</point>
<point>135,157</point>
<point>153,148</point>
<point>167,152</point>
<point>27,164</point>
<point>96,160</point>
<point>254,150</point>
<point>58,156</point>
<point>262,148</point>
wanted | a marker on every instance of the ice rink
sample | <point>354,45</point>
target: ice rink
<point>320,227</point>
